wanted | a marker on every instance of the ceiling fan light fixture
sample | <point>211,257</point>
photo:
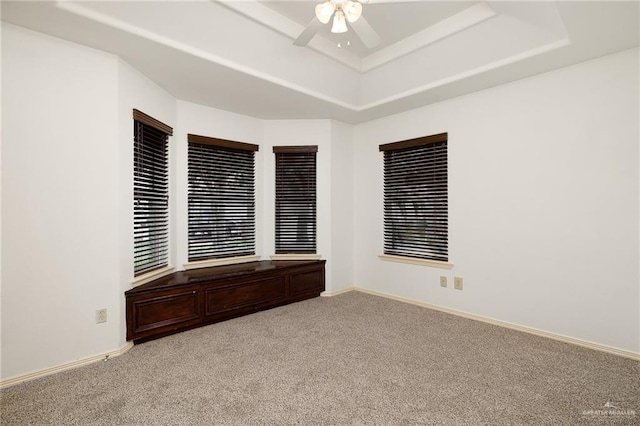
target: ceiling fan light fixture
<point>339,23</point>
<point>352,10</point>
<point>324,11</point>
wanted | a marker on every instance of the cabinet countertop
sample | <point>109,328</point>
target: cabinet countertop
<point>196,276</point>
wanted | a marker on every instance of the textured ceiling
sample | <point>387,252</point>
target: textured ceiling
<point>239,55</point>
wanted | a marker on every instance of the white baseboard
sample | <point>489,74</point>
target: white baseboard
<point>571,340</point>
<point>566,339</point>
<point>336,293</point>
<point>62,367</point>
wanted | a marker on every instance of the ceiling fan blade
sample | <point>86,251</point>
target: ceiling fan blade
<point>309,31</point>
<point>367,34</point>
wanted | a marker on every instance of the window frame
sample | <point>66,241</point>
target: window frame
<point>413,250</point>
<point>226,147</point>
<point>141,190</point>
<point>298,156</point>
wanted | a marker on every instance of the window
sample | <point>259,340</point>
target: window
<point>415,198</point>
<point>222,201</point>
<point>150,193</point>
<point>295,199</point>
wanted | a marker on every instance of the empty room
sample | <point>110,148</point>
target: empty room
<point>320,212</point>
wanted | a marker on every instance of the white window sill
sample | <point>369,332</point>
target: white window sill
<point>295,256</point>
<point>416,261</point>
<point>220,262</point>
<point>153,275</point>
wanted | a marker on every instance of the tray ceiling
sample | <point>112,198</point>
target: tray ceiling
<point>239,55</point>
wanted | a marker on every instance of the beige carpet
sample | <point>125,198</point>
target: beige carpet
<point>347,360</point>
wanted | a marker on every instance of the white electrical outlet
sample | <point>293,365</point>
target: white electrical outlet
<point>101,316</point>
<point>443,281</point>
<point>457,283</point>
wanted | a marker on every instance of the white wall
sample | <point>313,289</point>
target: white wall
<point>543,208</point>
<point>59,201</point>
<point>342,208</point>
<point>137,91</point>
<point>215,123</point>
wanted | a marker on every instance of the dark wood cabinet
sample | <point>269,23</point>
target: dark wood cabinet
<point>198,297</point>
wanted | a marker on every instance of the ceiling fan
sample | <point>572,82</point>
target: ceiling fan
<point>343,11</point>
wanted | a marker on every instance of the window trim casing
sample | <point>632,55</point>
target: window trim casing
<point>415,261</point>
<point>152,275</point>
<point>207,263</point>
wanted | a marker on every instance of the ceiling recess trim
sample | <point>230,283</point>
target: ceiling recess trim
<point>268,17</point>
<point>454,24</point>
<point>470,73</point>
<point>102,18</point>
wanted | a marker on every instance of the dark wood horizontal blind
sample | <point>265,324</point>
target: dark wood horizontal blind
<point>151,197</point>
<point>416,198</point>
<point>152,122</point>
<point>221,199</point>
<point>416,142</point>
<point>295,199</point>
<point>222,143</point>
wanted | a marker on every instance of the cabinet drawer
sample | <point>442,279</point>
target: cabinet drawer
<point>236,296</point>
<point>160,311</point>
<point>307,281</point>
